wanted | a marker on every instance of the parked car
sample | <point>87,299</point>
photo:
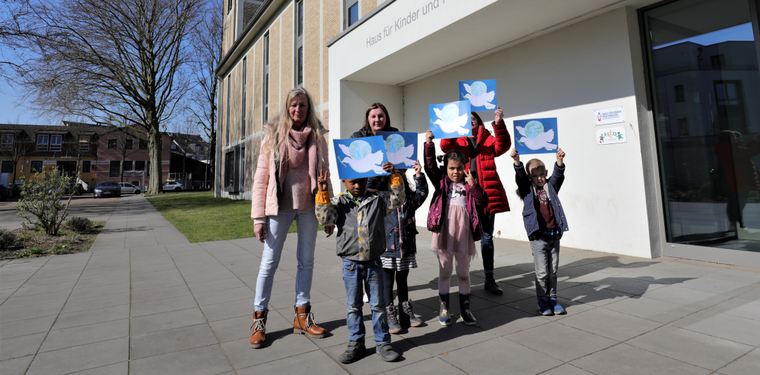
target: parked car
<point>172,186</point>
<point>5,193</point>
<point>128,188</point>
<point>108,188</point>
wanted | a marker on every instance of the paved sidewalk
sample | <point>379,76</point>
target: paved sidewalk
<point>146,301</point>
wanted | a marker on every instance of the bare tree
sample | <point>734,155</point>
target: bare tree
<point>112,61</point>
<point>15,147</point>
<point>12,33</point>
<point>207,39</point>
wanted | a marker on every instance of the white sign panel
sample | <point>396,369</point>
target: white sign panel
<point>611,135</point>
<point>609,115</point>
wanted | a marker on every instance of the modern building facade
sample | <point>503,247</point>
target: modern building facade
<point>676,81</point>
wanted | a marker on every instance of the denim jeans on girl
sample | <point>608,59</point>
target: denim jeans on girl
<point>546,261</point>
<point>277,232</point>
<point>355,276</point>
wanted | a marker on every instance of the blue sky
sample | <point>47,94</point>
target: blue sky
<point>741,32</point>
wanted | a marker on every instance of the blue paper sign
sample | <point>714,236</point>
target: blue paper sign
<point>401,148</point>
<point>450,120</point>
<point>360,157</point>
<point>536,136</point>
<point>481,94</point>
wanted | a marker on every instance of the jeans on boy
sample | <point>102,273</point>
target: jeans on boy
<point>356,275</point>
<point>277,232</point>
<point>486,243</point>
<point>546,261</point>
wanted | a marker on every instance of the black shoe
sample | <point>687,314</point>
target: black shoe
<point>353,352</point>
<point>464,310</point>
<point>387,353</point>
<point>492,286</point>
<point>393,319</point>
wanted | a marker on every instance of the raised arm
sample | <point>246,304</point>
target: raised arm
<point>431,165</point>
<point>501,141</point>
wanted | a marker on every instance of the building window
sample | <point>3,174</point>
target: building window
<point>42,142</point>
<point>35,166</point>
<point>265,81</point>
<point>128,165</point>
<point>84,143</point>
<point>352,12</point>
<point>6,142</point>
<point>140,165</point>
<point>113,170</point>
<point>227,119</point>
<point>174,146</point>
<point>241,171</point>
<point>56,142</point>
<point>7,167</point>
<point>299,44</point>
<point>86,166</point>
<point>680,97</point>
<point>229,170</point>
<point>142,144</point>
<point>242,104</point>
<point>112,143</point>
<point>128,144</point>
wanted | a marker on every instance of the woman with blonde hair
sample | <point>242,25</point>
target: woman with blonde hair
<point>293,151</point>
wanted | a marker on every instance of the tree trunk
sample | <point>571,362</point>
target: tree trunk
<point>156,167</point>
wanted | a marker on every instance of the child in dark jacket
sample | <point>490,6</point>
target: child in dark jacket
<point>454,222</point>
<point>400,255</point>
<point>359,216</point>
<point>545,223</point>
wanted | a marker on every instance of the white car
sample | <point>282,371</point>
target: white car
<point>126,187</point>
<point>172,186</point>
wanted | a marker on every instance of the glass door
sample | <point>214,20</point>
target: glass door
<point>705,89</point>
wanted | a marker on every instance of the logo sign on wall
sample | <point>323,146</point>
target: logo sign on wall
<point>481,94</point>
<point>536,136</point>
<point>360,157</point>
<point>611,135</point>
<point>401,148</point>
<point>609,115</point>
<point>450,120</point>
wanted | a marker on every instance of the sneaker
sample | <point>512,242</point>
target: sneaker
<point>556,307</point>
<point>492,286</point>
<point>393,324</point>
<point>353,352</point>
<point>468,318</point>
<point>544,308</point>
<point>386,352</point>
<point>412,319</point>
<point>444,317</point>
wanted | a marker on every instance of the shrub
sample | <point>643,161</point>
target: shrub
<point>41,196</point>
<point>7,239</point>
<point>79,224</point>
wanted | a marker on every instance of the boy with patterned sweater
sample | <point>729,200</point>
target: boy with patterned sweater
<point>359,215</point>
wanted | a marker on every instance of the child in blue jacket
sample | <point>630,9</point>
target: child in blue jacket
<point>545,223</point>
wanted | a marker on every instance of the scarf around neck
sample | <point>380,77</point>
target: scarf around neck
<point>300,145</point>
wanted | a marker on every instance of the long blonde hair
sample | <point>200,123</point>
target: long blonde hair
<point>280,126</point>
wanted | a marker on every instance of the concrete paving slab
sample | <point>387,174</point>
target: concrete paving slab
<point>162,305</point>
<point>20,346</point>
<point>167,320</point>
<point>623,359</point>
<point>490,357</point>
<point>80,318</point>
<point>203,360</point>
<point>85,334</point>
<point>27,326</point>
<point>121,368</point>
<point>566,369</point>
<point>171,340</point>
<point>610,324</point>
<point>560,341</point>
<point>725,326</point>
<point>317,362</point>
<point>15,366</point>
<point>80,358</point>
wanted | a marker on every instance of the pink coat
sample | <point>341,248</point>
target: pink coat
<point>265,201</point>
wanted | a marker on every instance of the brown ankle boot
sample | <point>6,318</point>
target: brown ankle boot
<point>304,323</point>
<point>258,329</point>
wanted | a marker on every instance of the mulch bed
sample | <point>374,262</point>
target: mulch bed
<point>35,243</point>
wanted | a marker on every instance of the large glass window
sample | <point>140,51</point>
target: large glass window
<point>705,90</point>
<point>352,12</point>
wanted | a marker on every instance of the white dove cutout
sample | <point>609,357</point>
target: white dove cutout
<point>456,122</point>
<point>482,100</point>
<point>539,140</point>
<point>370,161</point>
<point>402,156</point>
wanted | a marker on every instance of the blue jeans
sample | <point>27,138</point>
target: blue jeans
<point>277,232</point>
<point>546,261</point>
<point>486,243</point>
<point>355,275</point>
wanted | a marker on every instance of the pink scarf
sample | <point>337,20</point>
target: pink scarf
<point>301,143</point>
